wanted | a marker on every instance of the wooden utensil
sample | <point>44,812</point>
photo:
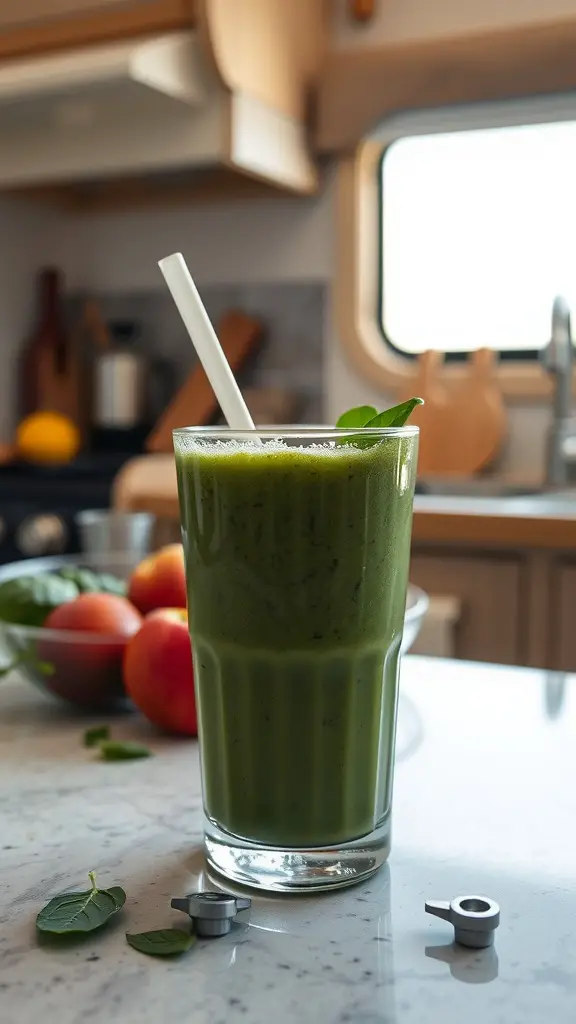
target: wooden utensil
<point>195,403</point>
<point>96,325</point>
<point>461,429</point>
<point>432,416</point>
<point>477,418</point>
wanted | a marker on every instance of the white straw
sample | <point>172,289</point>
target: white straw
<point>205,341</point>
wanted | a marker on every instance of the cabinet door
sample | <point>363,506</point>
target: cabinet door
<point>563,618</point>
<point>29,27</point>
<point>488,589</point>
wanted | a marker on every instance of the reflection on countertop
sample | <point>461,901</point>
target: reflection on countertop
<point>484,802</point>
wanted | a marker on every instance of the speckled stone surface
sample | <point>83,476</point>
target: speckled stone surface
<point>485,801</point>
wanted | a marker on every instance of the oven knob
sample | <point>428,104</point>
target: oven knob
<point>44,534</point>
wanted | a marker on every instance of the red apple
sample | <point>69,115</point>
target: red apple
<point>158,673</point>
<point>85,671</point>
<point>159,581</point>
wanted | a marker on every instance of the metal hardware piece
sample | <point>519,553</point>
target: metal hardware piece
<point>475,918</point>
<point>558,358</point>
<point>212,913</point>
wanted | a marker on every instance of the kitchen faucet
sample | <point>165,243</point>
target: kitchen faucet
<point>557,359</point>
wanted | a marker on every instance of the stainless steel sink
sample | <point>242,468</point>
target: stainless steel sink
<point>481,488</point>
<point>486,488</point>
<point>546,503</point>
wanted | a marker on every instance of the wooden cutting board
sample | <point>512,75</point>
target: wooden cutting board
<point>195,403</point>
<point>461,429</point>
<point>477,417</point>
<point>432,416</point>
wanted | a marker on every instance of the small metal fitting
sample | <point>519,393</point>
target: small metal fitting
<point>475,918</point>
<point>212,913</point>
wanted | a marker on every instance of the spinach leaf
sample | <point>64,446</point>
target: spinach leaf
<point>25,657</point>
<point>122,750</point>
<point>94,736</point>
<point>78,912</point>
<point>358,417</point>
<point>90,582</point>
<point>45,668</point>
<point>112,585</point>
<point>7,669</point>
<point>165,942</point>
<point>28,600</point>
<point>396,416</point>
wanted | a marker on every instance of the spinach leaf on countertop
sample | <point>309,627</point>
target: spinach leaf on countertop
<point>78,912</point>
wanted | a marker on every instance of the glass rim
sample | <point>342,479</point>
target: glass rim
<point>294,431</point>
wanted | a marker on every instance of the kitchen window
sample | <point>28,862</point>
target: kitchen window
<point>457,230</point>
<point>477,235</point>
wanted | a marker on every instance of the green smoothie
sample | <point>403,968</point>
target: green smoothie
<point>297,564</point>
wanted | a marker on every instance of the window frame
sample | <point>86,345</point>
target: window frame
<point>359,278</point>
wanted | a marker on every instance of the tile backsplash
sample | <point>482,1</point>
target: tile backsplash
<point>290,358</point>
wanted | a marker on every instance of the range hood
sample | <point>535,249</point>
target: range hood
<point>142,107</point>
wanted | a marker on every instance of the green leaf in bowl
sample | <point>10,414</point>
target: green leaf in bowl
<point>90,582</point>
<point>28,600</point>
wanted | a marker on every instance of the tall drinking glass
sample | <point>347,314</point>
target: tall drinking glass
<point>297,545</point>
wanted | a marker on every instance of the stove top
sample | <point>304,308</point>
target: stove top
<point>97,465</point>
<point>39,504</point>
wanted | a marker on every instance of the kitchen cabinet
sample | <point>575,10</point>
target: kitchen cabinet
<point>157,99</point>
<point>562,618</point>
<point>30,27</point>
<point>488,588</point>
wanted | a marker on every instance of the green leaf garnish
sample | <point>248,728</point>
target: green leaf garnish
<point>366,416</point>
<point>122,750</point>
<point>165,942</point>
<point>396,416</point>
<point>358,417</point>
<point>78,912</point>
<point>95,735</point>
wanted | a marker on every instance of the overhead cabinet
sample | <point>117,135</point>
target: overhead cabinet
<point>36,26</point>
<point>117,90</point>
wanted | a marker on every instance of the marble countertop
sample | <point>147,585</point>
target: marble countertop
<point>485,801</point>
<point>540,521</point>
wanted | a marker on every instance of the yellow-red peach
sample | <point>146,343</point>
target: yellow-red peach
<point>158,673</point>
<point>159,581</point>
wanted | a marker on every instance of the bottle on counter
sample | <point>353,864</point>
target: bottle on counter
<point>48,345</point>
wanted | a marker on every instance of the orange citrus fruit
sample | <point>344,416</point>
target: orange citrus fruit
<point>49,438</point>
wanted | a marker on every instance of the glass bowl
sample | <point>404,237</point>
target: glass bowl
<point>84,669</point>
<point>416,607</point>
